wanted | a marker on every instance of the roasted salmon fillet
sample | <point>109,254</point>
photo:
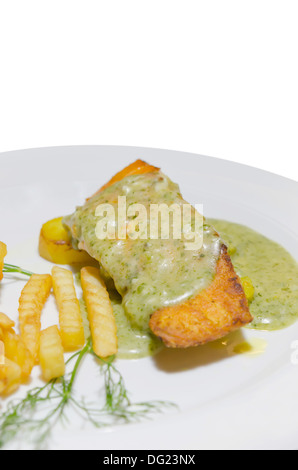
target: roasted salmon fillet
<point>214,312</point>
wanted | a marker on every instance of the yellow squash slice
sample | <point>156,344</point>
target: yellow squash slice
<point>55,244</point>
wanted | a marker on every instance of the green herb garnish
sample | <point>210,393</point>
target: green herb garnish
<point>51,400</point>
<point>11,268</point>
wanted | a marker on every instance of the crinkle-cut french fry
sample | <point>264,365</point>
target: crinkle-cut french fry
<point>31,303</point>
<point>3,253</point>
<point>51,354</point>
<point>6,322</point>
<point>70,319</point>
<point>10,377</point>
<point>100,313</point>
<point>16,351</point>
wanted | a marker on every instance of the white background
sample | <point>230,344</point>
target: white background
<point>218,78</point>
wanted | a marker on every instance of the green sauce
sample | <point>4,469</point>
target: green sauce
<point>149,274</point>
<point>132,343</point>
<point>272,270</point>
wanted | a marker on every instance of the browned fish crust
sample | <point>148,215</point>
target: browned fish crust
<point>210,315</point>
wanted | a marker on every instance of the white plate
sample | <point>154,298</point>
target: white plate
<point>226,401</point>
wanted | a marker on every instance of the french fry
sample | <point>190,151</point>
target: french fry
<point>2,348</point>
<point>70,319</point>
<point>100,313</point>
<point>6,322</point>
<point>16,351</point>
<point>3,253</point>
<point>51,354</point>
<point>10,377</point>
<point>31,303</point>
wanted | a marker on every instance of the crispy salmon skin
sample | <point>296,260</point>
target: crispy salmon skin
<point>139,167</point>
<point>210,315</point>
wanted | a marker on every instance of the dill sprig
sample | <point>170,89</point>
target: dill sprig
<point>11,268</point>
<point>50,401</point>
<point>20,416</point>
